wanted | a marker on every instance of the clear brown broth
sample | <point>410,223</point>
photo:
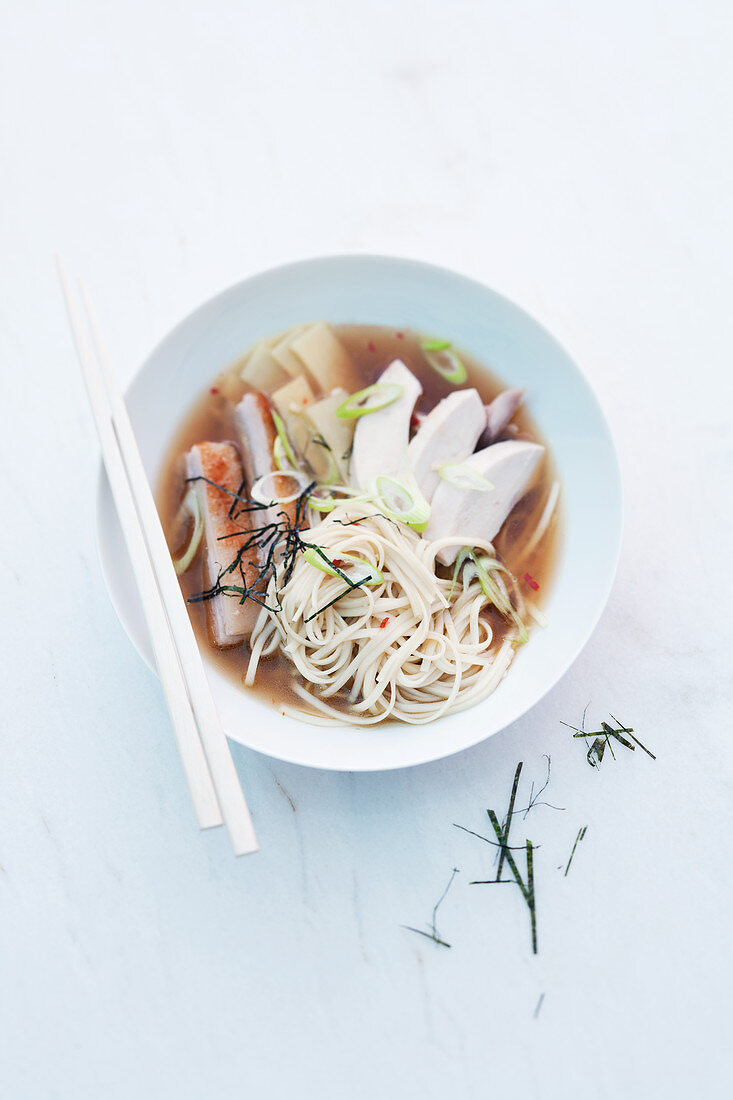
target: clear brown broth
<point>371,348</point>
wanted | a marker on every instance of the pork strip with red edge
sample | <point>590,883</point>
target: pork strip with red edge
<point>229,620</point>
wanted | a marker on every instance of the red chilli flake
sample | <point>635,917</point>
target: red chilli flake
<point>214,389</point>
<point>531,582</point>
<point>370,346</point>
<point>384,622</point>
<point>400,335</point>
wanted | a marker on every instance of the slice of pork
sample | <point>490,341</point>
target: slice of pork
<point>229,620</point>
<point>381,437</point>
<point>448,433</point>
<point>470,515</point>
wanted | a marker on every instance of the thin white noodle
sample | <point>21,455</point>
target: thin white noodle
<point>539,616</point>
<point>544,523</point>
<point>412,648</point>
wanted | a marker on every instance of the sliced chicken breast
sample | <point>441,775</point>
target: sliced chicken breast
<point>448,433</point>
<point>470,514</point>
<point>381,437</point>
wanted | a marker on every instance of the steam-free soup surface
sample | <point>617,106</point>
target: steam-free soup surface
<point>371,349</point>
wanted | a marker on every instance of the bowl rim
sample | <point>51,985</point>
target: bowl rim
<point>368,259</point>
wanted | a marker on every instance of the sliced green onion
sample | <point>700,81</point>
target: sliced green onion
<point>434,345</point>
<point>260,488</point>
<point>328,503</point>
<point>463,477</point>
<point>491,586</point>
<point>463,554</point>
<point>323,504</point>
<point>403,502</point>
<point>369,400</point>
<point>444,360</point>
<point>333,474</point>
<point>191,505</point>
<point>315,557</point>
<point>280,455</point>
<point>282,435</point>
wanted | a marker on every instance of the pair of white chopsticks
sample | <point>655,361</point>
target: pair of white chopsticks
<point>207,762</point>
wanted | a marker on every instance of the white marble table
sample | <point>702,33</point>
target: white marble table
<point>577,157</point>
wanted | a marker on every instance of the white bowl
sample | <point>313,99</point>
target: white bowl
<point>399,293</point>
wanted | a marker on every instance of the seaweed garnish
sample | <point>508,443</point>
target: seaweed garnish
<point>352,586</point>
<point>279,538</point>
<point>579,837</point>
<point>508,818</point>
<point>602,739</point>
<point>618,735</point>
<point>594,755</point>
<point>530,894</point>
<point>494,844</point>
<point>526,885</point>
<point>432,933</point>
<point>536,1012</point>
<point>248,505</point>
<point>625,729</point>
<point>240,490</point>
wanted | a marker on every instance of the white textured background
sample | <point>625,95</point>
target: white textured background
<point>577,157</point>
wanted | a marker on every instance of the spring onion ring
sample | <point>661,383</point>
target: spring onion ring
<point>259,492</point>
<point>443,360</point>
<point>434,345</point>
<point>463,477</point>
<point>361,403</point>
<point>315,557</point>
<point>402,501</point>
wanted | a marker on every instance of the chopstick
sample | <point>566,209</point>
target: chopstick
<point>207,762</point>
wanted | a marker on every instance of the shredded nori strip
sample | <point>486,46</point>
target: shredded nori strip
<point>508,818</point>
<point>240,490</point>
<point>596,750</point>
<point>502,841</point>
<point>579,837</point>
<point>623,729</point>
<point>602,738</point>
<point>356,584</point>
<point>494,843</point>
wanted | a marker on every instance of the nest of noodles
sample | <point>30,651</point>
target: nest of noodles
<point>412,647</point>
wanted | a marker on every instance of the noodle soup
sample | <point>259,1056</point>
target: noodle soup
<point>364,522</point>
